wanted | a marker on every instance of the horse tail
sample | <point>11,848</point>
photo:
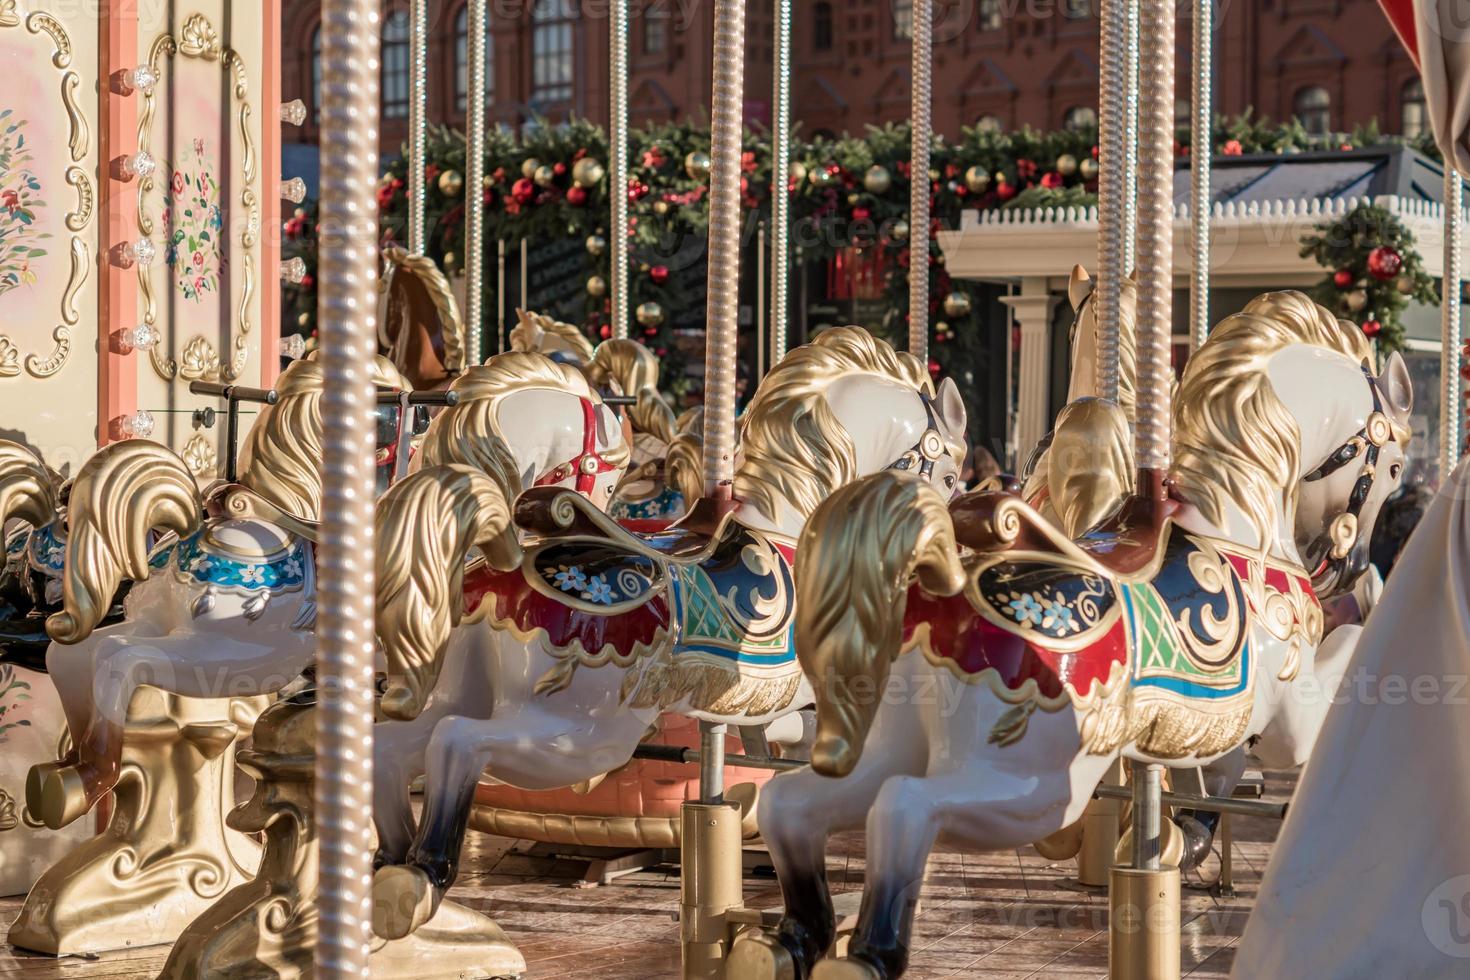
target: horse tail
<point>28,488</point>
<point>1089,466</point>
<point>854,562</point>
<point>424,527</point>
<point>120,494</point>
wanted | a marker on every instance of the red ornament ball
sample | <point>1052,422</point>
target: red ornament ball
<point>1384,263</point>
<point>861,214</point>
<point>523,190</point>
<point>605,331</point>
<point>1372,328</point>
<point>576,196</point>
<point>659,274</point>
<point>933,367</point>
<point>1342,278</point>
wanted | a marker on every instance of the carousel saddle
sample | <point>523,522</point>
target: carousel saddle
<point>557,513</point>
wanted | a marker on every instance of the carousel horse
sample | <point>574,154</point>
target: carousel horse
<point>537,333</point>
<point>419,327</point>
<point>485,431</point>
<point>1173,634</point>
<point>228,602</point>
<point>593,631</point>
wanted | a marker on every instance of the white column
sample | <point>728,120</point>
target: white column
<point>1033,310</point>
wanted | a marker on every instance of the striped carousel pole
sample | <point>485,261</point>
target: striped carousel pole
<point>710,885</point>
<point>1130,155</point>
<point>474,226</point>
<point>1200,147</point>
<point>1147,892</point>
<point>780,178</point>
<point>348,299</point>
<point>617,137</point>
<point>418,111</point>
<point>1112,191</point>
<point>920,133</point>
<point>1450,402</point>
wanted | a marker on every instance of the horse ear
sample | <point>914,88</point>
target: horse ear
<point>1398,389</point>
<point>952,408</point>
<point>1079,286</point>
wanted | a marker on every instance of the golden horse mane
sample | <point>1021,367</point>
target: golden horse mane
<point>792,447</point>
<point>531,334</point>
<point>635,369</point>
<point>436,285</point>
<point>1234,440</point>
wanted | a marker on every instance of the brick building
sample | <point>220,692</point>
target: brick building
<point>1334,63</point>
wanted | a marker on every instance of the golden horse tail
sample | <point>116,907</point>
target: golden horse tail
<point>425,527</point>
<point>1089,467</point>
<point>28,488</point>
<point>854,562</point>
<point>121,493</point>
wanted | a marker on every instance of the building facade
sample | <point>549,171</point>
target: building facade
<point>1333,63</point>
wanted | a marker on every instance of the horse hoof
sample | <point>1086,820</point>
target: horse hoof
<point>56,795</point>
<point>403,900</point>
<point>758,955</point>
<point>846,970</point>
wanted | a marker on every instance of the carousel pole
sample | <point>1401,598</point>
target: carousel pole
<point>1112,190</point>
<point>617,182</point>
<point>920,133</point>
<point>1450,332</point>
<point>1130,141</point>
<point>1144,898</point>
<point>474,227</point>
<point>418,110</point>
<point>710,882</point>
<point>1200,147</point>
<point>780,179</point>
<point>345,646</point>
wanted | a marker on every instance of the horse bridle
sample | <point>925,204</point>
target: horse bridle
<point>587,465</point>
<point>1336,543</point>
<point>929,449</point>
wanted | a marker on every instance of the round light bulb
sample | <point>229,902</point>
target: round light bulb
<point>141,337</point>
<point>142,251</point>
<point>294,190</point>
<point>141,79</point>
<point>292,113</point>
<point>293,270</point>
<point>140,164</point>
<point>293,346</point>
<point>139,425</point>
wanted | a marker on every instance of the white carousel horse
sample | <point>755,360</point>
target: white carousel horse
<point>1172,641</point>
<point>593,632</point>
<point>231,608</point>
<point>1370,873</point>
<point>565,448</point>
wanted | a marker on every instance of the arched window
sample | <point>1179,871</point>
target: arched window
<point>990,15</point>
<point>822,26</point>
<point>1080,117</point>
<point>316,73</point>
<point>395,65</point>
<point>1414,117</point>
<point>655,29</point>
<point>552,51</point>
<point>989,124</point>
<point>462,60</point>
<point>903,20</point>
<point>1313,106</point>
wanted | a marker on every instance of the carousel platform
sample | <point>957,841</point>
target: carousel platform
<point>1003,915</point>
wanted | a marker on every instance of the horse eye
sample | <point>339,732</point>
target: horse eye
<point>1394,471</point>
<point>949,482</point>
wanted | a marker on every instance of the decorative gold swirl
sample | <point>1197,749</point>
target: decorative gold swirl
<point>199,39</point>
<point>40,367</point>
<point>8,16</point>
<point>79,266</point>
<point>199,455</point>
<point>9,358</point>
<point>78,219</point>
<point>81,137</point>
<point>38,22</point>
<point>199,361</point>
<point>1211,642</point>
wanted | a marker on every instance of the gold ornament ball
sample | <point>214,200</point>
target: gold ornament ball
<point>696,165</point>
<point>596,244</point>
<point>933,173</point>
<point>798,171</point>
<point>528,167</point>
<point>596,286</point>
<point>977,179</point>
<point>1088,168</point>
<point>942,329</point>
<point>451,183</point>
<point>877,180</point>
<point>901,231</point>
<point>545,176</point>
<point>449,260</point>
<point>587,173</point>
<point>854,198</point>
<point>1357,300</point>
<point>957,305</point>
<point>650,314</point>
<point>660,207</point>
<point>303,320</point>
<point>487,182</point>
<point>1066,165</point>
<point>1405,285</point>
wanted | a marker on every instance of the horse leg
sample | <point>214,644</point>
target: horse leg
<point>800,810</point>
<point>533,749</point>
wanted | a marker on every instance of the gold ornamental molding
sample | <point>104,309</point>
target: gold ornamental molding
<point>79,140</point>
<point>199,360</point>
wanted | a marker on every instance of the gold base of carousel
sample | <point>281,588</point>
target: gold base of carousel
<point>166,854</point>
<point>268,927</point>
<point>1143,931</point>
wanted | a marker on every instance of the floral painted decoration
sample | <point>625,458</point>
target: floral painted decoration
<point>21,197</point>
<point>195,224</point>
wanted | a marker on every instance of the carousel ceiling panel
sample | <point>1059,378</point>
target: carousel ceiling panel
<point>1288,180</point>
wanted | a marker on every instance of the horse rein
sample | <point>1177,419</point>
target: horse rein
<point>930,447</point>
<point>588,464</point>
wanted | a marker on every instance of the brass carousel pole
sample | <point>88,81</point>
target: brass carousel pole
<point>780,178</point>
<point>1450,404</point>
<point>418,110</point>
<point>474,227</point>
<point>1200,147</point>
<point>1112,189</point>
<point>1130,143</point>
<point>348,301</point>
<point>710,883</point>
<point>617,181</point>
<point>921,131</point>
<point>1144,898</point>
